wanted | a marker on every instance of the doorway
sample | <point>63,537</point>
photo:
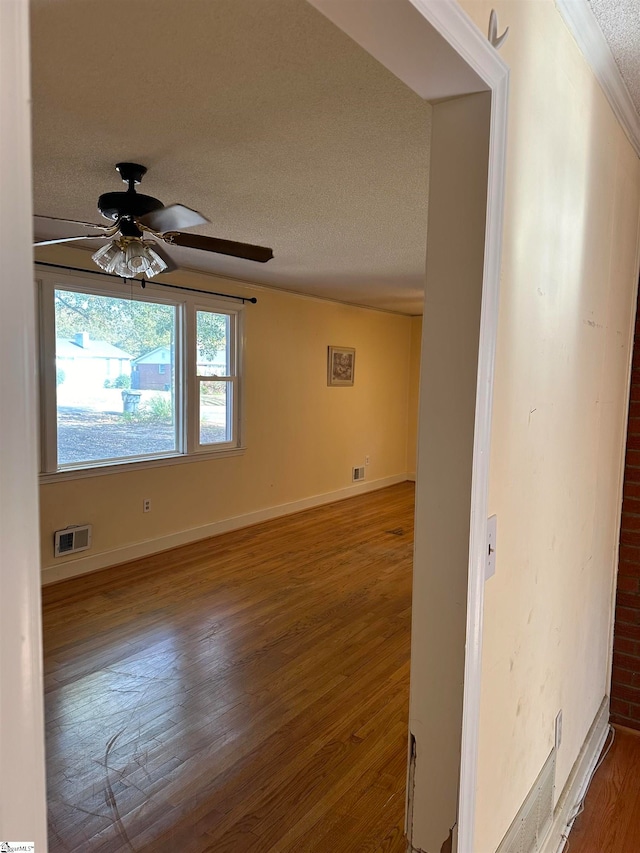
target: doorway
<point>465,318</point>
<point>463,77</point>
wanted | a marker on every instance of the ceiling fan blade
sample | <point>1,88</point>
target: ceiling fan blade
<point>71,239</point>
<point>72,221</point>
<point>172,218</point>
<point>261,254</point>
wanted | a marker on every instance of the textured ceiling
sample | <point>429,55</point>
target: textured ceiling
<point>619,20</point>
<point>259,113</point>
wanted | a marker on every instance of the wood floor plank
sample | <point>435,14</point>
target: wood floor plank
<point>610,822</point>
<point>248,692</point>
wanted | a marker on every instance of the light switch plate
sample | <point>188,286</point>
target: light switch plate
<point>558,730</point>
<point>492,532</point>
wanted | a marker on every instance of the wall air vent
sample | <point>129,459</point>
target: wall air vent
<point>357,473</point>
<point>532,823</point>
<point>72,539</point>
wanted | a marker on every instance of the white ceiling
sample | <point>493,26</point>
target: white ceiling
<point>259,113</point>
<point>262,115</point>
<point>619,20</point>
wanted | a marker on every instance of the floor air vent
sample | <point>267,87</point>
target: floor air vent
<point>72,539</point>
<point>532,823</point>
<point>358,473</point>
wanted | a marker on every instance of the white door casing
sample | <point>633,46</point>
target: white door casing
<point>22,790</point>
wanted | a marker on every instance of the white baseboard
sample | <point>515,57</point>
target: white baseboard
<point>578,780</point>
<point>94,562</point>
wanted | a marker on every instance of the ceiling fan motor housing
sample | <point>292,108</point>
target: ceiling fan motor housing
<point>131,204</point>
<point>116,205</point>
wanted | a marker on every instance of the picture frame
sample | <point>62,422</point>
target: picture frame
<point>341,363</point>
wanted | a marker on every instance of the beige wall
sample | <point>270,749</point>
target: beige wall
<point>568,276</point>
<point>302,437</point>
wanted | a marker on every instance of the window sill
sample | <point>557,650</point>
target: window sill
<point>97,470</point>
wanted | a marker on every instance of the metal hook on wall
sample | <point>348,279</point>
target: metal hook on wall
<point>496,40</point>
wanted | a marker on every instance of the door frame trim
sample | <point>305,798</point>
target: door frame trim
<point>365,21</point>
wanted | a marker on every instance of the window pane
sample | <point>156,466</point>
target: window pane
<point>215,412</point>
<point>115,385</point>
<point>212,344</point>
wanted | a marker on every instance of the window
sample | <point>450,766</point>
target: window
<point>215,396</point>
<point>131,375</point>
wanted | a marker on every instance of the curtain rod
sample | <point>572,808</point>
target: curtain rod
<point>143,282</point>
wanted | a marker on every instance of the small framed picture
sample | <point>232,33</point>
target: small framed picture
<point>341,366</point>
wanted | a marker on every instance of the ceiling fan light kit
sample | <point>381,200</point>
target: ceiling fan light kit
<point>130,256</point>
<point>133,215</point>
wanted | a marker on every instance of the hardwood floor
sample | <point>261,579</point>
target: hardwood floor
<point>245,693</point>
<point>610,822</point>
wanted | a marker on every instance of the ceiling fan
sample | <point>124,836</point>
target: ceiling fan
<point>136,217</point>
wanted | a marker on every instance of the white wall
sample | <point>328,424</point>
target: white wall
<point>22,794</point>
<point>569,273</point>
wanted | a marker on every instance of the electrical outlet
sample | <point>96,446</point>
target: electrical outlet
<point>366,460</point>
<point>559,729</point>
<point>146,505</point>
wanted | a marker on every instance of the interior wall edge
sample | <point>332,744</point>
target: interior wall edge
<point>145,548</point>
<point>447,432</point>
<point>635,294</point>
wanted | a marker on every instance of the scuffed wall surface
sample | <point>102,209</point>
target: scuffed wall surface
<point>566,313</point>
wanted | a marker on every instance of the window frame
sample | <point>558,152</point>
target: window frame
<point>186,386</point>
<point>231,378</point>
